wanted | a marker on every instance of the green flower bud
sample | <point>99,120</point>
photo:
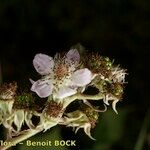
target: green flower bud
<point>91,113</point>
<point>25,101</point>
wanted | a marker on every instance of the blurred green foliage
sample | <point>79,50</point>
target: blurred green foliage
<point>112,128</point>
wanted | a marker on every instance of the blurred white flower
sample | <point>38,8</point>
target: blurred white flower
<point>60,75</point>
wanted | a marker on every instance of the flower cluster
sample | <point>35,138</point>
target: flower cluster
<point>66,78</point>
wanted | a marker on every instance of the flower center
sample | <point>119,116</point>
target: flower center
<point>61,71</point>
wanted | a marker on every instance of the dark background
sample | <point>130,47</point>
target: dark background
<point>119,29</point>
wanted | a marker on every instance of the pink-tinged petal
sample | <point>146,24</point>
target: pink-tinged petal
<point>43,64</point>
<point>73,56</point>
<point>43,88</point>
<point>65,92</point>
<point>82,77</point>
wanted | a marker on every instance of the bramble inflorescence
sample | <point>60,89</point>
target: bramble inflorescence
<point>64,79</point>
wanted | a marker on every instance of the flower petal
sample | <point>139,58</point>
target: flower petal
<point>43,88</point>
<point>81,77</point>
<point>73,56</point>
<point>65,92</point>
<point>43,64</point>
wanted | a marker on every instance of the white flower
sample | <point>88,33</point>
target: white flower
<point>60,75</point>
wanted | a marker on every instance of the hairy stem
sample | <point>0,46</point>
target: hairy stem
<point>27,134</point>
<point>31,132</point>
<point>70,99</point>
<point>44,125</point>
